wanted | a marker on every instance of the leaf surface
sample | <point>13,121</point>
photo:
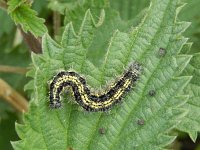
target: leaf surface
<point>155,43</point>
<point>190,123</point>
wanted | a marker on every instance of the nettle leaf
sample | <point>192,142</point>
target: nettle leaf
<point>191,122</point>
<point>143,120</point>
<point>6,25</point>
<point>191,13</point>
<point>13,4</point>
<point>22,14</point>
<point>112,22</point>
<point>129,9</point>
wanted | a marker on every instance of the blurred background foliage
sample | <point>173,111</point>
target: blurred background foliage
<point>124,14</point>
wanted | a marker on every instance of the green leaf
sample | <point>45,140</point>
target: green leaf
<point>61,6</point>
<point>72,8</point>
<point>111,23</point>
<point>6,25</point>
<point>22,14</point>
<point>129,9</point>
<point>7,32</point>
<point>191,13</point>
<point>74,12</point>
<point>191,122</point>
<point>13,4</point>
<point>7,131</point>
<point>71,128</point>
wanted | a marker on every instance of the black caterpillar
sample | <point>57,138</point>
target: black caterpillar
<point>83,96</point>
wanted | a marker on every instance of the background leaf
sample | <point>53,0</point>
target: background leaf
<point>6,25</point>
<point>7,129</point>
<point>191,13</point>
<point>129,9</point>
<point>22,14</point>
<point>8,115</point>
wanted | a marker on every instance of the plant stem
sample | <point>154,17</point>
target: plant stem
<point>12,69</point>
<point>13,97</point>
<point>56,22</point>
<point>33,43</point>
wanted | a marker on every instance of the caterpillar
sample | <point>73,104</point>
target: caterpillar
<point>84,97</point>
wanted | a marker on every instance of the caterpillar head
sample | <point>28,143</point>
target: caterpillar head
<point>55,104</point>
<point>135,68</point>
